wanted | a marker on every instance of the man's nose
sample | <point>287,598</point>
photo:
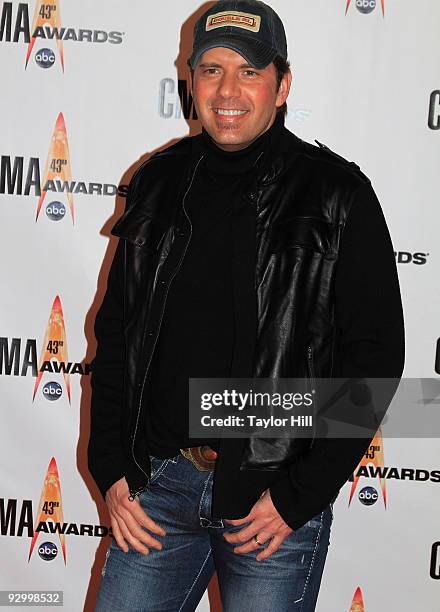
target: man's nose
<point>229,86</point>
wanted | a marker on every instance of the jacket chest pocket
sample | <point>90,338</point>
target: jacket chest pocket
<point>307,233</point>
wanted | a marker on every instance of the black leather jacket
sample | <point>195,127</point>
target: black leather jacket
<point>302,194</point>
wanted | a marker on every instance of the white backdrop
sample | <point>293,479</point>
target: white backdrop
<point>365,84</point>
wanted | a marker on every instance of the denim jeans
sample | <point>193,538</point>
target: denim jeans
<point>176,577</point>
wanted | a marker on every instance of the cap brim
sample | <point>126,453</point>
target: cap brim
<point>256,53</point>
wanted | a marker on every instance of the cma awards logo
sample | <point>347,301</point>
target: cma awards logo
<point>50,508</point>
<point>18,519</point>
<point>357,604</point>
<point>46,26</point>
<point>46,15</point>
<point>372,465</point>
<point>53,357</point>
<point>54,347</point>
<point>366,6</point>
<point>57,167</point>
<point>21,177</point>
<point>373,457</point>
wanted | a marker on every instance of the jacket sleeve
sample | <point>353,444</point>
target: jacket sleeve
<point>106,458</point>
<point>370,331</point>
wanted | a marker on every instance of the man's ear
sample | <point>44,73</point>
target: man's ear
<point>284,89</point>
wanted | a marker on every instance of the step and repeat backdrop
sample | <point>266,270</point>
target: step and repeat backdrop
<point>88,91</point>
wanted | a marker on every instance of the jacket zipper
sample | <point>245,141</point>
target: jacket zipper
<point>135,492</point>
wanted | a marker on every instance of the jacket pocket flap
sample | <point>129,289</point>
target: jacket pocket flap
<point>303,232</point>
<point>135,226</point>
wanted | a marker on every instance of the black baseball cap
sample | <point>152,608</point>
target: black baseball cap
<point>249,27</point>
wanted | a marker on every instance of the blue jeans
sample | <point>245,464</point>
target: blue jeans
<point>176,577</point>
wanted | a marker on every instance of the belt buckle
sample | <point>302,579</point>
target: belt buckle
<point>194,454</point>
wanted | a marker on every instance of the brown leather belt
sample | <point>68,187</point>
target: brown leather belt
<point>202,457</point>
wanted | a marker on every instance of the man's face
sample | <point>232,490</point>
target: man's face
<point>235,102</point>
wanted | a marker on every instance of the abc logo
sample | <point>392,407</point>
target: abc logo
<point>52,391</point>
<point>368,496</point>
<point>45,58</point>
<point>48,551</point>
<point>366,6</point>
<point>55,211</point>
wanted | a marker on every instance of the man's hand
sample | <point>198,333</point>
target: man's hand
<point>128,519</point>
<point>265,523</point>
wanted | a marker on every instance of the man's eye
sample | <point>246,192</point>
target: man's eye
<point>250,73</point>
<point>210,71</point>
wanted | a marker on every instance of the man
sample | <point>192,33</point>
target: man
<point>243,252</point>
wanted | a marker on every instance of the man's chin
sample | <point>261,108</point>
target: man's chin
<point>221,128</point>
<point>229,136</point>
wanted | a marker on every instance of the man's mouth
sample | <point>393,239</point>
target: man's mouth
<point>229,112</point>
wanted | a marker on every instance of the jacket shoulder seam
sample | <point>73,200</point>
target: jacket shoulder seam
<point>323,153</point>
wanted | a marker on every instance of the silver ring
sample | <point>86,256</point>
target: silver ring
<point>256,540</point>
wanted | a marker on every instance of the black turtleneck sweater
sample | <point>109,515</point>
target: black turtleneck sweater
<point>200,336</point>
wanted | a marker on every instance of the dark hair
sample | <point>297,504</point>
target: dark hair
<point>282,67</point>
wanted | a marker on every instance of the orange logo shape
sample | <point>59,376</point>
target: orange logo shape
<point>357,604</point>
<point>381,1</point>
<point>58,163</point>
<point>374,456</point>
<point>54,345</point>
<point>50,507</point>
<point>46,14</point>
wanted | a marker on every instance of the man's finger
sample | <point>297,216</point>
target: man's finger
<point>245,534</point>
<point>252,545</point>
<point>132,540</point>
<point>272,547</point>
<point>143,518</point>
<point>136,531</point>
<point>118,536</point>
<point>239,521</point>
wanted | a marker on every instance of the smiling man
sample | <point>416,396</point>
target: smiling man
<point>244,252</point>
